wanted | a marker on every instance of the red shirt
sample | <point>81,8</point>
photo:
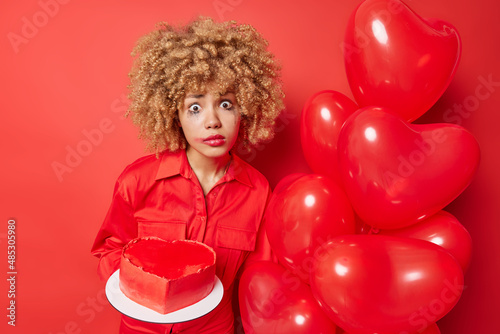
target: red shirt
<point>163,197</point>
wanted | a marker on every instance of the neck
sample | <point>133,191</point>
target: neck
<point>207,168</point>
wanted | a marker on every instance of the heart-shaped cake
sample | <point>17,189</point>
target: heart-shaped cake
<point>166,276</point>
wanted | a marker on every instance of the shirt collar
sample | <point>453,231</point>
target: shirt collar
<point>173,163</point>
<point>176,163</point>
<point>238,170</point>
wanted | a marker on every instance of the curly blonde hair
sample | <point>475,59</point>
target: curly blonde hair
<point>171,61</point>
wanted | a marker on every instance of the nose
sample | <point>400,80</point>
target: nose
<point>212,120</point>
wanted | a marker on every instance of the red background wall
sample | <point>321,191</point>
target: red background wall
<point>67,77</point>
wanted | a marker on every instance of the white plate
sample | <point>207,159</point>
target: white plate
<point>134,310</point>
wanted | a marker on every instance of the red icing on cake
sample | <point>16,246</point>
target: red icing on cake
<point>166,276</point>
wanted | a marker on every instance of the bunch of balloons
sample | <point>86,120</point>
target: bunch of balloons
<point>363,244</point>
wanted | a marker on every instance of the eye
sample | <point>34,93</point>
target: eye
<point>194,108</point>
<point>226,104</point>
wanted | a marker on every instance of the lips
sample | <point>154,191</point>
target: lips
<point>214,140</point>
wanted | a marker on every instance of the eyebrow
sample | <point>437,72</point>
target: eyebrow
<point>195,96</point>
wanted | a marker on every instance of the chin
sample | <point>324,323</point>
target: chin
<point>215,152</point>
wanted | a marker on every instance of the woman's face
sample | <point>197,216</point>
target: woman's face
<point>210,124</point>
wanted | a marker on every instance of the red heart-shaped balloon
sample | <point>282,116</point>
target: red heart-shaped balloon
<point>381,284</point>
<point>286,181</point>
<point>321,120</point>
<point>444,230</point>
<point>309,211</point>
<point>431,329</point>
<point>396,173</point>
<point>273,300</point>
<point>396,59</point>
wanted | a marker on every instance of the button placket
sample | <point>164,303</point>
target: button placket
<point>201,212</point>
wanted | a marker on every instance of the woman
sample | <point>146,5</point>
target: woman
<point>197,93</point>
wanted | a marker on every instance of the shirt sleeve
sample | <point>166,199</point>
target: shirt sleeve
<point>118,228</point>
